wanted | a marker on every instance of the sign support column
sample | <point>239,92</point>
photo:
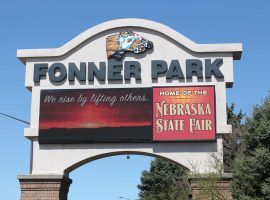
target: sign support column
<point>50,187</point>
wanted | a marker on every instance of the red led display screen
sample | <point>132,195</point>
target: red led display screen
<point>128,115</point>
<point>96,115</point>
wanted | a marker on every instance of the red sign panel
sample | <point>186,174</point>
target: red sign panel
<point>184,113</point>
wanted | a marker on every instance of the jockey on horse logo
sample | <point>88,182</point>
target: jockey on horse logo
<point>128,41</point>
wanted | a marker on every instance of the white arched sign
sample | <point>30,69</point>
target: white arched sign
<point>125,86</point>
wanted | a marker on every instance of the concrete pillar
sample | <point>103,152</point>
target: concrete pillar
<point>44,187</point>
<point>201,189</point>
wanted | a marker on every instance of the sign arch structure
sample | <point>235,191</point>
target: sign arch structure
<point>127,55</point>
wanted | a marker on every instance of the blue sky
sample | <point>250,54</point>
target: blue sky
<point>50,23</point>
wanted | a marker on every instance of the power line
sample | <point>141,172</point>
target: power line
<point>15,118</point>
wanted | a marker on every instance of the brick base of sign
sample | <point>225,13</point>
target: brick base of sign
<point>44,187</point>
<point>221,190</point>
<point>55,187</point>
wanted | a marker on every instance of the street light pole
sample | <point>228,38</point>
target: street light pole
<point>124,198</point>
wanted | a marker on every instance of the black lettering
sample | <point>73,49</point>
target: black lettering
<point>175,70</point>
<point>132,68</point>
<point>159,68</point>
<point>74,72</point>
<point>40,70</point>
<point>57,67</point>
<point>213,68</point>
<point>194,68</point>
<point>114,70</point>
<point>93,71</point>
